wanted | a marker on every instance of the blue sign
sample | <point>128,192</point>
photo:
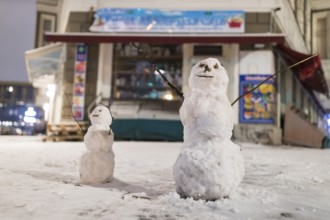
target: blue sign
<point>259,105</point>
<point>79,81</point>
<point>167,21</point>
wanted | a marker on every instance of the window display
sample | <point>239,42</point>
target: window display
<point>135,78</point>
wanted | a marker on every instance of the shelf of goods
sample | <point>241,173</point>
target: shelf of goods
<point>144,106</point>
<point>135,78</point>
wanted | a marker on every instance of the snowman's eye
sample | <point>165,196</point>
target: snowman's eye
<point>100,110</point>
<point>201,65</point>
<point>216,66</point>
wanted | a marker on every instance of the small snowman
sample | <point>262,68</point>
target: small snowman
<point>210,166</point>
<point>97,164</point>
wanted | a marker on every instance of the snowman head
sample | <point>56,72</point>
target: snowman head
<point>101,115</point>
<point>208,75</point>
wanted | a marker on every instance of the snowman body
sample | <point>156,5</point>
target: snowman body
<point>210,166</point>
<point>97,163</point>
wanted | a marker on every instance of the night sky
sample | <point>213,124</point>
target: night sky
<point>17,34</point>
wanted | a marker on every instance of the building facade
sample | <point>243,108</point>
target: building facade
<point>113,71</point>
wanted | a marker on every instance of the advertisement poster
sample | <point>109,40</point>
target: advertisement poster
<point>79,82</point>
<point>257,106</point>
<point>167,21</point>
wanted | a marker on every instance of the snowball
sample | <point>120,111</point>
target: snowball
<point>101,115</point>
<point>209,171</point>
<point>97,139</point>
<point>96,167</point>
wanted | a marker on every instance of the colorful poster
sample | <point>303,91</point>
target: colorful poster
<point>167,21</point>
<point>79,81</point>
<point>259,105</point>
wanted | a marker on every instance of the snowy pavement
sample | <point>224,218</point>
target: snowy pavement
<point>39,181</point>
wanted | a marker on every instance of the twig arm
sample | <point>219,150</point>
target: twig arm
<point>274,75</point>
<point>176,90</point>
<point>67,98</point>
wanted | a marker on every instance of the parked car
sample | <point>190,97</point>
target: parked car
<point>23,119</point>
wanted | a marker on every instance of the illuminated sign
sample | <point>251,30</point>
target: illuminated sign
<point>79,81</point>
<point>167,21</point>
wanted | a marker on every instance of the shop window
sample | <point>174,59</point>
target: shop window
<point>283,84</point>
<point>321,37</point>
<point>135,78</point>
<point>306,107</point>
<point>313,115</point>
<point>290,85</point>
<point>298,95</point>
<point>46,22</point>
<point>294,94</point>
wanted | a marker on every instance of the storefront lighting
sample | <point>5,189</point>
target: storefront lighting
<point>50,90</point>
<point>7,123</point>
<point>10,89</point>
<point>168,97</point>
<point>30,112</point>
<point>160,70</point>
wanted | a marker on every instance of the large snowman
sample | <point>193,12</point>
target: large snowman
<point>97,163</point>
<point>210,166</point>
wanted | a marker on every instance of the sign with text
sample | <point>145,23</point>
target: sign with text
<point>259,105</point>
<point>167,21</point>
<point>79,82</point>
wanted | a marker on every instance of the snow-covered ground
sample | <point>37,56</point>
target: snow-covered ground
<point>39,181</point>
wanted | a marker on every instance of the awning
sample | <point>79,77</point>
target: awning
<point>310,73</point>
<point>44,63</point>
<point>88,37</point>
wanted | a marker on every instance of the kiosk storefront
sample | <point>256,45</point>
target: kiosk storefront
<point>143,106</point>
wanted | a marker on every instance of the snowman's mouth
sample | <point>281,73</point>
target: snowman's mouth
<point>205,76</point>
<point>95,115</point>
